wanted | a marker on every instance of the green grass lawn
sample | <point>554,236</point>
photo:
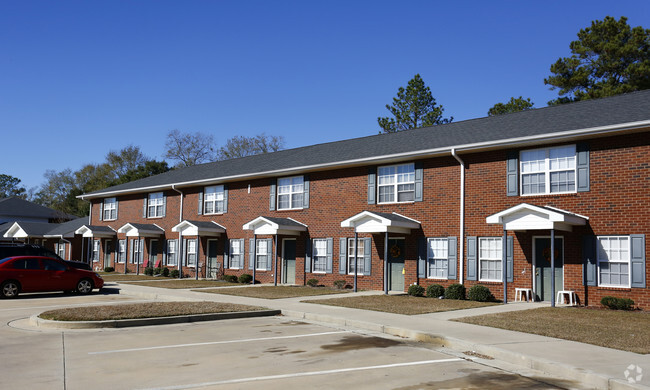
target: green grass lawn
<point>400,304</point>
<point>624,330</point>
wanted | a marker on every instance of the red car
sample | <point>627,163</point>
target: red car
<point>37,273</point>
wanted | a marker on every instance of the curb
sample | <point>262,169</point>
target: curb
<point>41,323</point>
<point>590,378</point>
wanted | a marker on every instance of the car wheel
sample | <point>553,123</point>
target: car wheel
<point>85,286</point>
<point>10,289</point>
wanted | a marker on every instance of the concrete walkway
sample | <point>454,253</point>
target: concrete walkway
<point>593,366</point>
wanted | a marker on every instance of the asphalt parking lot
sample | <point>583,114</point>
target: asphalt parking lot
<point>272,352</point>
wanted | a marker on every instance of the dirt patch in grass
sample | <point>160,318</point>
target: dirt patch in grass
<point>276,292</point>
<point>400,304</point>
<point>142,310</point>
<point>627,331</point>
<point>184,283</point>
<point>117,277</point>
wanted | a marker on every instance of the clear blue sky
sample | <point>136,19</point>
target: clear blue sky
<point>81,78</point>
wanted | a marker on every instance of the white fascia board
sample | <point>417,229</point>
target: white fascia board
<point>15,231</point>
<point>473,147</point>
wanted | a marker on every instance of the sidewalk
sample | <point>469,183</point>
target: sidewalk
<point>598,367</point>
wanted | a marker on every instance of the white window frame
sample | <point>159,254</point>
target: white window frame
<point>393,178</point>
<point>293,189</point>
<point>60,249</point>
<point>191,254</point>
<point>121,251</point>
<point>236,256</point>
<point>137,252</point>
<point>438,258</point>
<point>319,256</point>
<point>494,256</point>
<point>109,213</point>
<point>155,205</point>
<point>544,166</point>
<point>360,256</point>
<point>261,255</point>
<point>610,255</point>
<point>172,253</point>
<point>95,252</point>
<point>214,200</point>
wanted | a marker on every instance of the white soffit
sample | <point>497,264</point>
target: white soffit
<point>528,217</point>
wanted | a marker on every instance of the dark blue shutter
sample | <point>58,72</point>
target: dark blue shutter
<point>330,250</point>
<point>272,195</point>
<point>452,258</point>
<point>367,258</point>
<point>305,197</point>
<point>422,257</point>
<point>510,248</point>
<point>471,258</point>
<point>251,254</point>
<point>372,185</point>
<point>513,173</point>
<point>637,260</point>
<point>225,198</point>
<point>226,254</point>
<point>164,253</point>
<point>269,254</point>
<point>200,205</point>
<point>582,167</point>
<point>144,207</point>
<point>589,261</point>
<point>419,174</point>
<point>308,256</point>
<point>116,209</point>
<point>343,256</point>
<point>101,211</point>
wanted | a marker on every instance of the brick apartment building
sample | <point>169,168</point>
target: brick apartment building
<point>472,202</point>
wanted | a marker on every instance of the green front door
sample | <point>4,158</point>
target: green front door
<point>213,266</point>
<point>543,267</point>
<point>396,265</point>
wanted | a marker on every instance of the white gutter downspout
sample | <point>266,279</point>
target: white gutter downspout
<point>462,215</point>
<point>180,237</point>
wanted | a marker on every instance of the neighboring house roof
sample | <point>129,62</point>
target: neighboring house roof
<point>64,229</point>
<point>626,112</point>
<point>17,208</point>
<point>21,229</point>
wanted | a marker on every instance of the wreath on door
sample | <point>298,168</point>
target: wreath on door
<point>395,251</point>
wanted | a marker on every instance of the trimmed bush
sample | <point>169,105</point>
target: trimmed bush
<point>415,290</point>
<point>479,293</point>
<point>312,282</point>
<point>435,291</point>
<point>157,271</point>
<point>148,271</point>
<point>340,284</point>
<point>109,269</point>
<point>455,291</point>
<point>615,303</point>
<point>231,278</point>
<point>245,278</point>
<point>164,271</point>
<point>174,273</point>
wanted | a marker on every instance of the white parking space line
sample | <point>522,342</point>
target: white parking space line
<point>302,374</point>
<point>215,342</point>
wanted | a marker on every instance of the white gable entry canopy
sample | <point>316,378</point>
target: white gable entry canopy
<point>141,230</point>
<point>197,228</point>
<point>89,231</point>
<point>273,226</point>
<point>524,217</point>
<point>374,222</point>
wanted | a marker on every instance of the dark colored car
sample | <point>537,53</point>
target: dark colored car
<point>10,249</point>
<point>39,274</point>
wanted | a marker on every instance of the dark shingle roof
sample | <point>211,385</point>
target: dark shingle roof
<point>627,108</point>
<point>17,207</point>
<point>68,227</point>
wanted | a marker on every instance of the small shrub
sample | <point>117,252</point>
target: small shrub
<point>435,291</point>
<point>415,290</point>
<point>164,271</point>
<point>157,271</point>
<point>479,293</point>
<point>231,278</point>
<point>312,282</point>
<point>615,303</point>
<point>109,269</point>
<point>245,278</point>
<point>339,284</point>
<point>174,273</point>
<point>148,271</point>
<point>455,291</point>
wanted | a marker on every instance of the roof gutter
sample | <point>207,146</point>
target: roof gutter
<point>462,215</point>
<point>472,147</point>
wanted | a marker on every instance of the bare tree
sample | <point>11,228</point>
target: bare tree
<point>240,146</point>
<point>189,149</point>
